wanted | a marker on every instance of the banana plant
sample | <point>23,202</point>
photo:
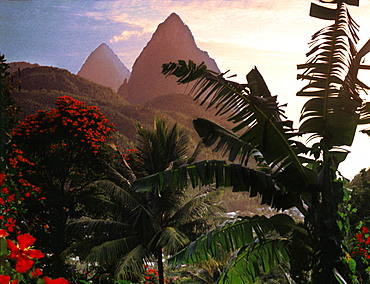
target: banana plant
<point>292,173</point>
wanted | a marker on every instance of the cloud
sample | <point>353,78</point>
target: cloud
<point>126,35</point>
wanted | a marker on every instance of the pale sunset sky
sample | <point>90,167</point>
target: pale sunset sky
<point>238,34</point>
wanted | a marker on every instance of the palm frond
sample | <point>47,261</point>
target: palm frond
<point>250,262</point>
<point>171,239</point>
<point>232,236</point>
<point>198,207</point>
<point>132,264</point>
<point>227,141</point>
<point>124,195</point>
<point>257,115</point>
<point>221,174</point>
<point>83,248</point>
<point>128,206</point>
<point>85,229</point>
<point>110,252</point>
<point>160,147</point>
<point>332,70</point>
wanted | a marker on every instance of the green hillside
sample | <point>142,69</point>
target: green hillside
<point>41,86</point>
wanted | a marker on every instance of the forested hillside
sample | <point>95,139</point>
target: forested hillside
<point>40,87</point>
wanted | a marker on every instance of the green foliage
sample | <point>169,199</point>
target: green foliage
<point>290,177</point>
<point>161,147</point>
<point>126,228</point>
<point>41,86</point>
<point>360,194</point>
<point>67,148</point>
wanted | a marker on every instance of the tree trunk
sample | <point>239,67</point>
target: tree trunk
<point>160,266</point>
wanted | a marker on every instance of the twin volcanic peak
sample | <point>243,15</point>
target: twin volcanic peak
<point>105,68</point>
<point>172,41</point>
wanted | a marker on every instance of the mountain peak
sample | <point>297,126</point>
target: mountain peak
<point>103,46</point>
<point>104,67</point>
<point>174,18</point>
<point>171,41</point>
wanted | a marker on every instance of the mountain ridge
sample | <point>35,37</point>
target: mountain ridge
<point>171,41</point>
<point>42,86</point>
<point>104,67</point>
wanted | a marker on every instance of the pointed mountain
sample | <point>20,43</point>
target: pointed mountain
<point>105,68</point>
<point>171,41</point>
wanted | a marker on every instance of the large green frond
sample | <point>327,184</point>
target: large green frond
<point>221,174</point>
<point>251,262</point>
<point>258,118</point>
<point>332,70</point>
<point>199,207</point>
<point>132,264</point>
<point>232,236</point>
<point>109,252</point>
<point>171,240</point>
<point>225,140</point>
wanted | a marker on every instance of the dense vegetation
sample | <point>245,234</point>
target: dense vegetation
<point>100,213</point>
<point>40,87</point>
<point>293,174</point>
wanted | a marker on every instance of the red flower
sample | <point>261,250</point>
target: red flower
<point>364,230</point>
<point>4,279</point>
<point>11,224</point>
<point>22,253</point>
<point>55,281</point>
<point>3,233</point>
<point>359,238</point>
<point>36,273</point>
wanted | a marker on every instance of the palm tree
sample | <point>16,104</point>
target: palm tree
<point>135,228</point>
<point>292,174</point>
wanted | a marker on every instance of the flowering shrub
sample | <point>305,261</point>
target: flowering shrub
<point>151,276</point>
<point>362,243</point>
<point>60,151</point>
<point>16,257</point>
<point>71,118</point>
<point>23,255</point>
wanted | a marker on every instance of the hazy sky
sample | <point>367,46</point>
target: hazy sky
<point>238,34</point>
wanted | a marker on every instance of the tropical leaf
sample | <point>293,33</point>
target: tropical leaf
<point>251,262</point>
<point>132,264</point>
<point>258,118</point>
<point>232,236</point>
<point>171,239</point>
<point>221,174</point>
<point>332,70</point>
<point>200,206</point>
<point>160,147</point>
<point>227,141</point>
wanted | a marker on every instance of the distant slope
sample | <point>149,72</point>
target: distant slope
<point>171,41</point>
<point>104,67</point>
<point>41,87</point>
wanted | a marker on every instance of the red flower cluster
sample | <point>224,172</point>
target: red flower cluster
<point>362,242</point>
<point>86,123</point>
<point>23,255</point>
<point>132,154</point>
<point>151,276</point>
<point>5,279</point>
<point>10,195</point>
